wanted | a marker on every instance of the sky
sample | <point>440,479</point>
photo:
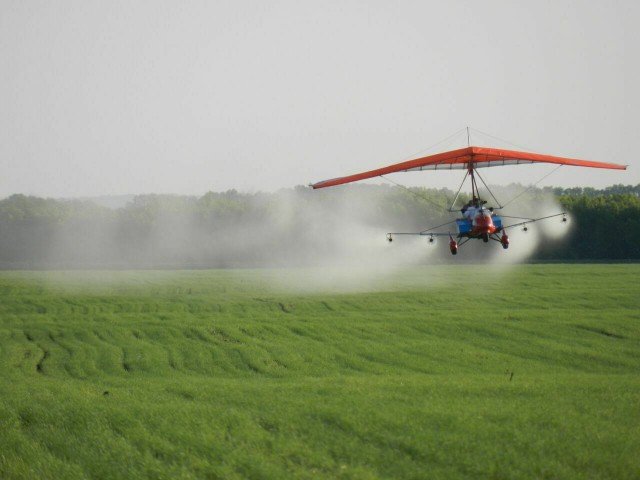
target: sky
<point>184,97</point>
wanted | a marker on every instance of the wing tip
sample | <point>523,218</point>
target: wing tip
<point>321,184</point>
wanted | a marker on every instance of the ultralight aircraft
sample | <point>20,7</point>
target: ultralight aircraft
<point>477,221</point>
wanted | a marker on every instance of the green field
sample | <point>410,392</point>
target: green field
<point>532,372</point>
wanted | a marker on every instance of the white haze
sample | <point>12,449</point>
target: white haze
<point>364,263</point>
<point>316,242</point>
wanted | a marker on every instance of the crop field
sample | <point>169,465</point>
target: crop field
<point>533,372</point>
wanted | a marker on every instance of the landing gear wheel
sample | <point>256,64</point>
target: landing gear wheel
<point>504,240</point>
<point>453,246</point>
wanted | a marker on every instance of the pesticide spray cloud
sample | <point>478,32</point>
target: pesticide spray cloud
<point>325,240</point>
<point>352,257</point>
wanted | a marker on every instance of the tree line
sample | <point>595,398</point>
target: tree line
<point>291,227</point>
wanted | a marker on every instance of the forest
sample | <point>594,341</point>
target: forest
<point>291,227</point>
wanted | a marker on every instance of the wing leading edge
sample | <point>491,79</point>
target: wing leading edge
<point>465,158</point>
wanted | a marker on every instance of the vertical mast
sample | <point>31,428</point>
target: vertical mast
<point>474,187</point>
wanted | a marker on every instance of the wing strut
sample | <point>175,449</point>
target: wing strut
<point>451,209</point>
<point>490,192</point>
<point>475,192</point>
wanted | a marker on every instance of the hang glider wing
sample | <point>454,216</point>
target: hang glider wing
<point>466,158</point>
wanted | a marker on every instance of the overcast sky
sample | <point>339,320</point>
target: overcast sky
<point>128,97</point>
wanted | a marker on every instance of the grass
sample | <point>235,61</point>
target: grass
<point>225,374</point>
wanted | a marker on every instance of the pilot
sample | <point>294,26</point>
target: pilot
<point>470,208</point>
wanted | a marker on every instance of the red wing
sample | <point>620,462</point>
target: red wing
<point>465,158</point>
